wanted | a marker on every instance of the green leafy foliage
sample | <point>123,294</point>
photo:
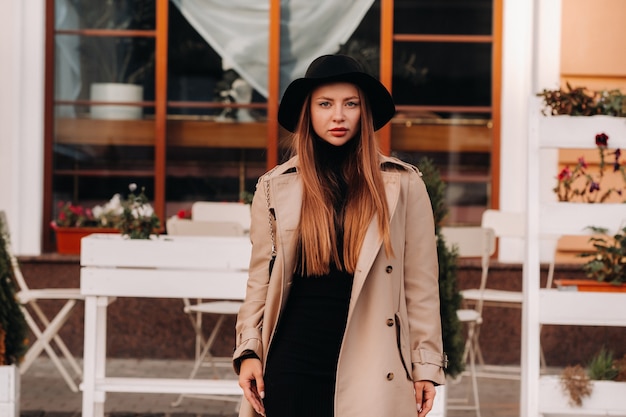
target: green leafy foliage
<point>580,101</point>
<point>608,262</point>
<point>13,330</point>
<point>602,366</point>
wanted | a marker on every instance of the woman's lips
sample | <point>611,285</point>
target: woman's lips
<point>338,132</point>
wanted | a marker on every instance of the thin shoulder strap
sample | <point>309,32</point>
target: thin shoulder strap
<point>270,217</point>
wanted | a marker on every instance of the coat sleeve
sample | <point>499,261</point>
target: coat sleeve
<point>250,317</point>
<point>421,272</point>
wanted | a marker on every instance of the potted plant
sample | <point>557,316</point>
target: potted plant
<point>606,267</point>
<point>584,184</point>
<point>575,114</point>
<point>580,101</point>
<point>73,222</point>
<point>13,332</point>
<point>114,67</point>
<point>577,119</point>
<point>133,217</point>
<point>138,219</point>
<point>596,389</point>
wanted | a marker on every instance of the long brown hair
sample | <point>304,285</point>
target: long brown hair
<point>365,198</point>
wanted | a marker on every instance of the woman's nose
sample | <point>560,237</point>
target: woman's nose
<point>338,113</point>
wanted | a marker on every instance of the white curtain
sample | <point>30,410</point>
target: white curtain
<point>238,30</point>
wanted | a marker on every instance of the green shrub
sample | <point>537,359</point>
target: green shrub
<point>13,330</point>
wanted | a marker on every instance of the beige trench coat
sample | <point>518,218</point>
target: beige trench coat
<point>393,332</point>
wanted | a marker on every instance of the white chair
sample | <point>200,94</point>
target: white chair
<point>45,330</point>
<point>506,225</point>
<point>210,219</point>
<point>187,227</point>
<point>222,212</point>
<point>471,242</point>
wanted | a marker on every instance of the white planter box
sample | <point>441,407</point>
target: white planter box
<point>558,218</point>
<point>9,391</point>
<point>166,252</point>
<point>607,399</point>
<point>579,132</point>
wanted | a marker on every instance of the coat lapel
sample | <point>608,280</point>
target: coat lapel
<point>373,240</point>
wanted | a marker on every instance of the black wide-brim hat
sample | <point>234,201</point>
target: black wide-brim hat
<point>335,68</point>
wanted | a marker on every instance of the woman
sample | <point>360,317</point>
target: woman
<point>348,323</point>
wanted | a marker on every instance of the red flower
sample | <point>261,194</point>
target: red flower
<point>602,140</point>
<point>565,174</point>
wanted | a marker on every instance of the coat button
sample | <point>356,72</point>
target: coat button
<point>389,376</point>
<point>389,322</point>
<point>389,269</point>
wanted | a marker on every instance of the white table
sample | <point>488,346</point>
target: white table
<point>164,267</point>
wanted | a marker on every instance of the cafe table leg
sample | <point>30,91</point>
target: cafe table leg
<point>89,357</point>
<point>94,357</point>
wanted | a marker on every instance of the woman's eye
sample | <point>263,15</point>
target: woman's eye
<point>352,103</point>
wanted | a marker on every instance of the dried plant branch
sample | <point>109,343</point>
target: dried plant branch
<point>576,384</point>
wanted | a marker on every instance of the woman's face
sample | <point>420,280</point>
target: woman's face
<point>336,112</point>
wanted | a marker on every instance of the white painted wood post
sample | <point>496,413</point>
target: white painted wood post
<point>9,391</point>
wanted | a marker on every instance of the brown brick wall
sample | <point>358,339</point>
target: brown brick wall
<point>158,328</point>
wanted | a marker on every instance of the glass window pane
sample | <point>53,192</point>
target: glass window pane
<point>106,14</point>
<point>450,17</point>
<point>451,74</point>
<point>467,179</point>
<point>212,161</point>
<point>82,61</point>
<point>197,73</point>
<point>211,174</point>
<point>364,44</point>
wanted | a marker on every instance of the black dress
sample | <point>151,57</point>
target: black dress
<point>302,360</point>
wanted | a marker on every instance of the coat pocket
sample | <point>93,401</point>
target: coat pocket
<point>402,345</point>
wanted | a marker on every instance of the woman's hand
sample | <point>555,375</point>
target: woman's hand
<point>424,397</point>
<point>251,381</point>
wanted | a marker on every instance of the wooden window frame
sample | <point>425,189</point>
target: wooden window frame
<point>161,130</point>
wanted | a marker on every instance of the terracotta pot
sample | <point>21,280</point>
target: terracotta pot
<point>588,285</point>
<point>68,238</point>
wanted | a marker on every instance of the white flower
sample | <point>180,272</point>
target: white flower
<point>97,211</point>
<point>112,208</point>
<point>142,210</point>
<point>132,187</point>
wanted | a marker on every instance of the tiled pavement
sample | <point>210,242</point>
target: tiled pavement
<point>44,394</point>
